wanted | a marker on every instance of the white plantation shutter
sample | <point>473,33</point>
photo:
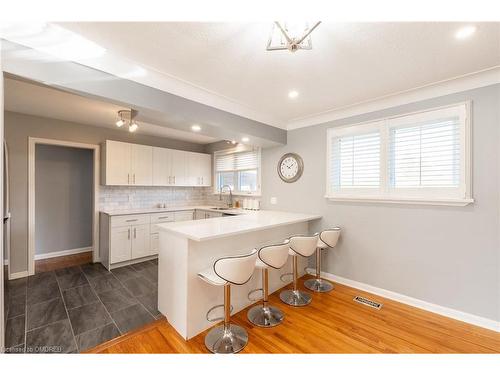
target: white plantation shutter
<point>356,161</point>
<point>419,157</point>
<point>425,155</point>
<point>237,161</point>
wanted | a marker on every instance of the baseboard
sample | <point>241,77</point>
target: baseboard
<point>18,275</point>
<point>56,254</point>
<point>428,306</point>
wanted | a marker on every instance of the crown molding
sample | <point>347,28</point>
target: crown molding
<point>465,82</point>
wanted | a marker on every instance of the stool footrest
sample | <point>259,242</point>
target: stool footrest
<point>254,291</point>
<point>219,318</point>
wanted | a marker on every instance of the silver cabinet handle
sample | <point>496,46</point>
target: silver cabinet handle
<point>134,178</point>
<point>164,217</point>
<point>131,220</point>
<point>135,232</point>
<point>129,233</point>
<point>128,178</point>
<point>174,180</point>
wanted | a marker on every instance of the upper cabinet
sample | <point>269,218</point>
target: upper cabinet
<point>130,164</point>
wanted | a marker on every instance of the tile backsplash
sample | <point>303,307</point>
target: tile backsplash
<point>126,197</point>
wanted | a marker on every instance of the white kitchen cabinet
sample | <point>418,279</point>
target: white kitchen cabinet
<point>140,236</point>
<point>162,167</point>
<point>127,164</point>
<point>138,165</point>
<point>120,244</point>
<point>184,215</point>
<point>199,169</point>
<point>201,214</point>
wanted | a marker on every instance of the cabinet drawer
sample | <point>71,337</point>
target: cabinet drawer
<point>162,217</point>
<point>125,220</point>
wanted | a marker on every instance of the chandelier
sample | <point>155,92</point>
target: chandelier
<point>127,116</point>
<point>290,36</point>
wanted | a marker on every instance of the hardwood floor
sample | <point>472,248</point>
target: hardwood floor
<point>332,323</point>
<point>51,264</point>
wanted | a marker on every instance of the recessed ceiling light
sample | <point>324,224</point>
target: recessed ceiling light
<point>293,94</point>
<point>245,139</point>
<point>465,32</point>
<point>196,128</point>
<point>120,123</point>
<point>233,142</point>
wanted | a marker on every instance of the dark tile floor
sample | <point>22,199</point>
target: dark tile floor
<point>74,309</point>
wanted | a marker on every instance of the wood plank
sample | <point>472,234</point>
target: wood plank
<point>51,264</point>
<point>332,323</point>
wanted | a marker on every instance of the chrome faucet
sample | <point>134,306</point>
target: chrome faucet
<point>230,204</point>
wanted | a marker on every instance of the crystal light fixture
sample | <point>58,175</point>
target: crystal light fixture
<point>291,36</point>
<point>126,116</point>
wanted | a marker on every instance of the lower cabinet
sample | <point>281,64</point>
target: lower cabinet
<point>129,242</point>
<point>141,240</point>
<point>200,214</point>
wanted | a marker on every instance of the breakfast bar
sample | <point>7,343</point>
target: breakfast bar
<point>188,247</point>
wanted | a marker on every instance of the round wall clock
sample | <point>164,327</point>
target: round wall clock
<point>290,167</point>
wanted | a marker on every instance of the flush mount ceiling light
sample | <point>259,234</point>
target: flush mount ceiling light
<point>293,94</point>
<point>245,139</point>
<point>126,116</point>
<point>465,32</point>
<point>291,36</point>
<point>196,128</point>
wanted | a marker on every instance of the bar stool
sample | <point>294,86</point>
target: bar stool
<point>327,238</point>
<point>236,270</point>
<point>272,256</point>
<point>303,246</point>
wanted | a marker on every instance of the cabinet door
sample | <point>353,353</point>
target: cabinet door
<point>210,215</point>
<point>155,244</point>
<point>118,159</point>
<point>193,177</point>
<point>179,161</point>
<point>162,167</point>
<point>120,247</point>
<point>142,165</point>
<point>205,161</point>
<point>140,241</point>
<point>198,214</point>
<point>183,215</point>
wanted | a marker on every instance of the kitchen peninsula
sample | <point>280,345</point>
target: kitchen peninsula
<point>188,247</point>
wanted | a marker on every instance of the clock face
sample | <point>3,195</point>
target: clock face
<point>290,167</point>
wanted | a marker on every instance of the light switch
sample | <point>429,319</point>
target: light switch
<point>274,200</point>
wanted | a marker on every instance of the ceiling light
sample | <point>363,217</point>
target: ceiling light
<point>291,36</point>
<point>245,139</point>
<point>126,116</point>
<point>465,32</point>
<point>293,94</point>
<point>196,128</point>
<point>233,142</point>
<point>132,127</point>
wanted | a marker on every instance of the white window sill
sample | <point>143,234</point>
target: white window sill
<point>403,200</point>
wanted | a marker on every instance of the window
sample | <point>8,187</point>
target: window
<point>238,168</point>
<point>420,157</point>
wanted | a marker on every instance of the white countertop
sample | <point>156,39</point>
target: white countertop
<point>138,211</point>
<point>201,230</point>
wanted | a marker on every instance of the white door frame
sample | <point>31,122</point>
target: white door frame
<point>32,142</point>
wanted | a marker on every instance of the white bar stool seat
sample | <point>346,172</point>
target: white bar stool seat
<point>236,270</point>
<point>299,246</point>
<point>327,239</point>
<point>272,256</point>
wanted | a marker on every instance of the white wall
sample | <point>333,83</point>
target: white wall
<point>448,256</point>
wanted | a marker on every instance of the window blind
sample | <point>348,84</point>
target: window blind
<point>239,161</point>
<point>356,161</point>
<point>425,155</point>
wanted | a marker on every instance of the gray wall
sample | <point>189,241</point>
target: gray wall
<point>18,128</point>
<point>444,255</point>
<point>63,198</point>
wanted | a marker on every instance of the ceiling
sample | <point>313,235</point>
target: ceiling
<point>350,63</point>
<point>33,99</point>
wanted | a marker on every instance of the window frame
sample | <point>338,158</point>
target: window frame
<point>385,193</point>
<point>239,149</point>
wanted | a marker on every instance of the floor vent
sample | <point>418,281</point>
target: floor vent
<point>367,302</point>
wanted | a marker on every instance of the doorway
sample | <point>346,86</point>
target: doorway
<point>63,181</point>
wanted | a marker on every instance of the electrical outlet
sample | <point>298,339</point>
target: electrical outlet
<point>274,200</point>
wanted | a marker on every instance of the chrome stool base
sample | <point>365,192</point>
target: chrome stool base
<point>318,285</point>
<point>268,316</point>
<point>295,297</point>
<point>226,341</point>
